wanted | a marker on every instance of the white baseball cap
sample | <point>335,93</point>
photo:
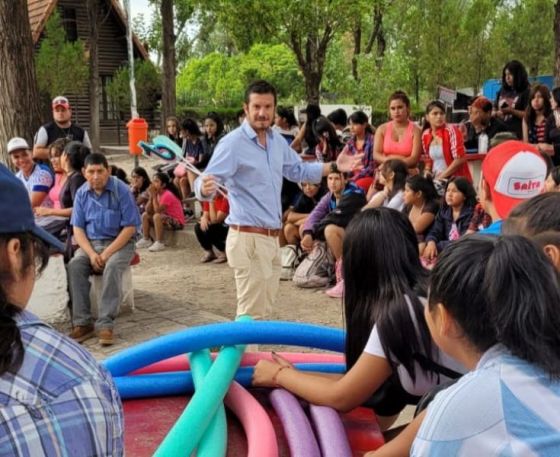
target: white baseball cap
<point>17,143</point>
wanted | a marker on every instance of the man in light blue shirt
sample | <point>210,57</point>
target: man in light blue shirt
<point>105,220</point>
<point>250,162</point>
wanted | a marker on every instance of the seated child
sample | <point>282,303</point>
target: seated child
<point>297,214</point>
<point>499,317</point>
<point>163,211</point>
<point>211,231</point>
<point>421,205</point>
<point>453,218</point>
<point>139,185</point>
<point>392,175</point>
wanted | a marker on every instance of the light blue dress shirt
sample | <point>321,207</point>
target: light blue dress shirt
<point>104,216</point>
<point>253,175</point>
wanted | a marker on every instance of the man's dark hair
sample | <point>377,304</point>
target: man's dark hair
<point>338,117</point>
<point>96,158</point>
<point>260,87</point>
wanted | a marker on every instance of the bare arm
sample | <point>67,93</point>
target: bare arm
<point>83,241</point>
<point>37,198</point>
<point>296,218</point>
<point>423,222</point>
<point>525,129</point>
<point>41,152</point>
<point>62,212</point>
<point>378,141</point>
<point>343,394</point>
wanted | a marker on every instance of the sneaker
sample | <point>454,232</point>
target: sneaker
<point>156,247</point>
<point>337,291</point>
<point>105,336</point>
<point>80,333</point>
<point>143,243</point>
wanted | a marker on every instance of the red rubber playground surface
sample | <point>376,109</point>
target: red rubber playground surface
<point>148,420</point>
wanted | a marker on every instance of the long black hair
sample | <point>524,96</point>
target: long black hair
<point>141,171</point>
<point>168,184</point>
<point>502,290</point>
<point>381,267</point>
<point>530,113</point>
<point>323,128</point>
<point>464,186</point>
<point>429,107</point>
<point>536,215</point>
<point>76,153</point>
<point>419,183</point>
<point>519,73</point>
<point>34,253</point>
<point>400,170</point>
<point>219,126</point>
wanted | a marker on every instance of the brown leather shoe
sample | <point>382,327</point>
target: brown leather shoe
<point>81,333</point>
<point>105,336</point>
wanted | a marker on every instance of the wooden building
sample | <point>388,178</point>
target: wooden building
<point>113,52</point>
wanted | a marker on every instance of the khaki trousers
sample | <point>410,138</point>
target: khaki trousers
<point>256,264</point>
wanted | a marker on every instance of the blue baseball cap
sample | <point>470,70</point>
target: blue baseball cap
<point>15,208</point>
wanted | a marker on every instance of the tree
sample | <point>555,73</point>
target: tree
<point>94,89</point>
<point>168,88</point>
<point>557,43</point>
<point>61,65</point>
<point>307,28</point>
<point>148,87</point>
<point>19,97</point>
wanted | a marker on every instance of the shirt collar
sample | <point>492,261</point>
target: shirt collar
<point>26,319</point>
<point>110,186</point>
<point>250,132</point>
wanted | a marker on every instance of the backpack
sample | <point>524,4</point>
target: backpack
<point>317,269</point>
<point>291,257</point>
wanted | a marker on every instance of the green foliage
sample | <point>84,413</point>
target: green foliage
<point>148,86</point>
<point>61,65</point>
<point>220,80</point>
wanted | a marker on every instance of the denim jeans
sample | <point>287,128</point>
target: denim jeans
<point>79,270</point>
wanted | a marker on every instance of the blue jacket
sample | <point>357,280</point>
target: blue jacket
<point>442,225</point>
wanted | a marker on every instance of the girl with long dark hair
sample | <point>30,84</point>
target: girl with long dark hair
<point>56,399</point>
<point>443,144</point>
<point>421,205</point>
<point>392,175</point>
<point>538,110</point>
<point>551,145</point>
<point>390,356</point>
<point>139,185</point>
<point>163,211</point>
<point>452,220</point>
<point>513,97</point>
<point>329,144</point>
<point>493,306</point>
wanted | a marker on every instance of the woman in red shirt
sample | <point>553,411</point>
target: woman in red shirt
<point>211,231</point>
<point>443,146</point>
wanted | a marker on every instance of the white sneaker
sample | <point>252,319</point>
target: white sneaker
<point>156,247</point>
<point>143,243</point>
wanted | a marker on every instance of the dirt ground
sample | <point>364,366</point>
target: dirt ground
<point>173,290</point>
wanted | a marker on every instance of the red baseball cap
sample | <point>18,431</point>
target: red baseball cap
<point>515,172</point>
<point>60,101</point>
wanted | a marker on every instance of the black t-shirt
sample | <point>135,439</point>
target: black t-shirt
<point>494,126</point>
<point>305,204</point>
<point>71,186</point>
<point>552,136</point>
<point>517,101</point>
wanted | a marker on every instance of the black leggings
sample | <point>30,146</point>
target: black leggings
<point>215,236</point>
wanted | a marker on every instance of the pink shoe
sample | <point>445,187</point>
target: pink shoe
<point>337,291</point>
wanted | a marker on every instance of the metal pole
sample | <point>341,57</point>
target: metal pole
<point>133,109</point>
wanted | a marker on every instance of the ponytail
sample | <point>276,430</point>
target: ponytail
<point>34,252</point>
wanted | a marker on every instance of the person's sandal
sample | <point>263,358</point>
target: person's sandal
<point>220,258</point>
<point>208,257</point>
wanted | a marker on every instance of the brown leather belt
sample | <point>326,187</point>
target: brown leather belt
<point>259,230</point>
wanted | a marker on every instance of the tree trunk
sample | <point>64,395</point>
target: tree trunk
<point>312,86</point>
<point>94,89</point>
<point>357,34</point>
<point>168,97</point>
<point>557,43</point>
<point>19,97</point>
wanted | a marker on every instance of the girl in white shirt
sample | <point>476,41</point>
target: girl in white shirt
<point>389,352</point>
